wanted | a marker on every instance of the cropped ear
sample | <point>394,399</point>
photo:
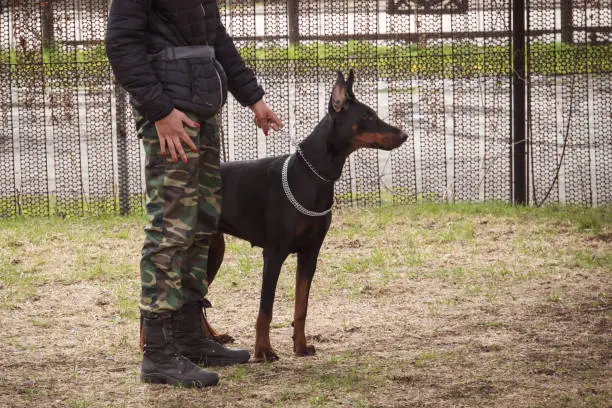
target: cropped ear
<point>349,85</point>
<point>338,97</point>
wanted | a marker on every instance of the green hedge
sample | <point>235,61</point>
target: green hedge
<point>386,61</point>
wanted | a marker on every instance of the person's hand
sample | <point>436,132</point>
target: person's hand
<point>265,118</point>
<point>171,133</point>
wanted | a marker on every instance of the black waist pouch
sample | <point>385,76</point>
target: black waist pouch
<point>192,77</point>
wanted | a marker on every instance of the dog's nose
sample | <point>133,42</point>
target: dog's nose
<point>403,136</point>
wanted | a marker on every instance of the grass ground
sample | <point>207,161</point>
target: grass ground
<point>427,305</point>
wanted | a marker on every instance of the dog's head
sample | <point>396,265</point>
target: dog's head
<point>355,124</point>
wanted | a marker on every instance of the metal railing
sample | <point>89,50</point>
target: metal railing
<point>452,79</point>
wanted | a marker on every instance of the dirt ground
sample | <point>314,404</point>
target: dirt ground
<point>424,306</point>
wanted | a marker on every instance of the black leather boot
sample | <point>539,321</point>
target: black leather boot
<point>162,363</point>
<point>193,344</point>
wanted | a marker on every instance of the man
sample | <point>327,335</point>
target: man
<point>177,62</point>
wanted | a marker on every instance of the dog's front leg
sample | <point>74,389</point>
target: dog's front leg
<point>307,264</point>
<point>272,266</point>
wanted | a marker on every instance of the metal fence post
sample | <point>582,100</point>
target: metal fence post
<point>294,23</point>
<point>567,29</point>
<point>123,163</point>
<point>47,21</point>
<point>122,149</point>
<point>519,176</point>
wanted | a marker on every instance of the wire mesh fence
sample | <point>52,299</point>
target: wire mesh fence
<point>440,70</point>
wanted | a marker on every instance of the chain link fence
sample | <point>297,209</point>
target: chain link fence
<point>443,71</point>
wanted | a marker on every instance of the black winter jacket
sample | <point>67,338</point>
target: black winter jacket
<point>138,28</point>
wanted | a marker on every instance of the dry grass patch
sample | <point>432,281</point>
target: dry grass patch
<point>429,305</point>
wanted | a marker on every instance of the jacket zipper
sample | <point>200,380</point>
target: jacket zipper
<point>220,87</point>
<point>216,71</point>
<point>141,129</point>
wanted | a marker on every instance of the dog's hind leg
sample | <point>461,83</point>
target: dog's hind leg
<point>273,261</point>
<point>307,264</point>
<point>215,259</point>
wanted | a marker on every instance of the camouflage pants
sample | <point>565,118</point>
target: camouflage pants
<point>183,206</point>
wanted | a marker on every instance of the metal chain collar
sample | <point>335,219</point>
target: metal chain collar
<point>291,197</point>
<point>316,173</point>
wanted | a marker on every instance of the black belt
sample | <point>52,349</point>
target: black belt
<point>188,51</point>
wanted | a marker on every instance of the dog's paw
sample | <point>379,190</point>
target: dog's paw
<point>304,351</point>
<point>265,354</point>
<point>223,338</point>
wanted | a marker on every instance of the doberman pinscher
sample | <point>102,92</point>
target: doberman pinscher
<point>282,204</point>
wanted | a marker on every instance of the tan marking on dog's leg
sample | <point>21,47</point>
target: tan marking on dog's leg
<point>209,332</point>
<point>300,347</point>
<point>263,348</point>
<point>142,336</point>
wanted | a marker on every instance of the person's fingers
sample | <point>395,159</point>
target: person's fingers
<point>262,123</point>
<point>162,144</point>
<point>178,148</point>
<point>269,120</point>
<point>189,142</point>
<point>186,120</point>
<point>275,121</point>
<point>265,126</point>
<point>181,151</point>
<point>172,149</point>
